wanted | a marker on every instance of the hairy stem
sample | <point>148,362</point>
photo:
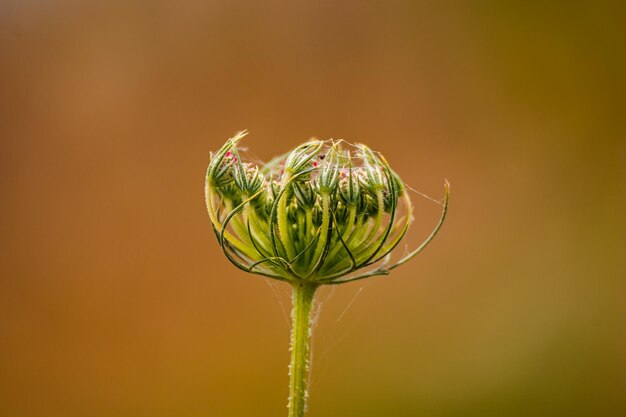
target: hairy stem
<point>303,293</point>
<point>283,222</point>
<point>318,255</point>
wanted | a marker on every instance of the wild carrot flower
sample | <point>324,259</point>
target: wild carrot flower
<point>325,213</point>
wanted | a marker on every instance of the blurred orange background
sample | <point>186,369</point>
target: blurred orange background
<point>115,299</point>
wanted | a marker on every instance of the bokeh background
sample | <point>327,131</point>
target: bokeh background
<point>115,299</point>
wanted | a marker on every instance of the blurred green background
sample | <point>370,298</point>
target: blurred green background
<point>115,299</point>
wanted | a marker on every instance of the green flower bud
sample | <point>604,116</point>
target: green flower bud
<point>328,176</point>
<point>304,193</point>
<point>349,186</point>
<point>331,213</point>
<point>248,178</point>
<point>375,176</point>
<point>300,158</point>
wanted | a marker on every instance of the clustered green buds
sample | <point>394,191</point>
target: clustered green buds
<point>327,212</point>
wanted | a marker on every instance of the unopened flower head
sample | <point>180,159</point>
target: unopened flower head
<point>327,212</point>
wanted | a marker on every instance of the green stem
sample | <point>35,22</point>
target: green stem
<point>303,293</point>
<point>283,223</point>
<point>324,235</point>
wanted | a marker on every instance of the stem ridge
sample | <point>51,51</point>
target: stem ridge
<point>302,305</point>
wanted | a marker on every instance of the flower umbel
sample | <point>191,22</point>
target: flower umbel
<point>325,213</point>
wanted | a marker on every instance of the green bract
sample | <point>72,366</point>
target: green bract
<point>327,212</point>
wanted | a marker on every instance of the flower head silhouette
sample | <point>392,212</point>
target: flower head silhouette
<point>326,212</point>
